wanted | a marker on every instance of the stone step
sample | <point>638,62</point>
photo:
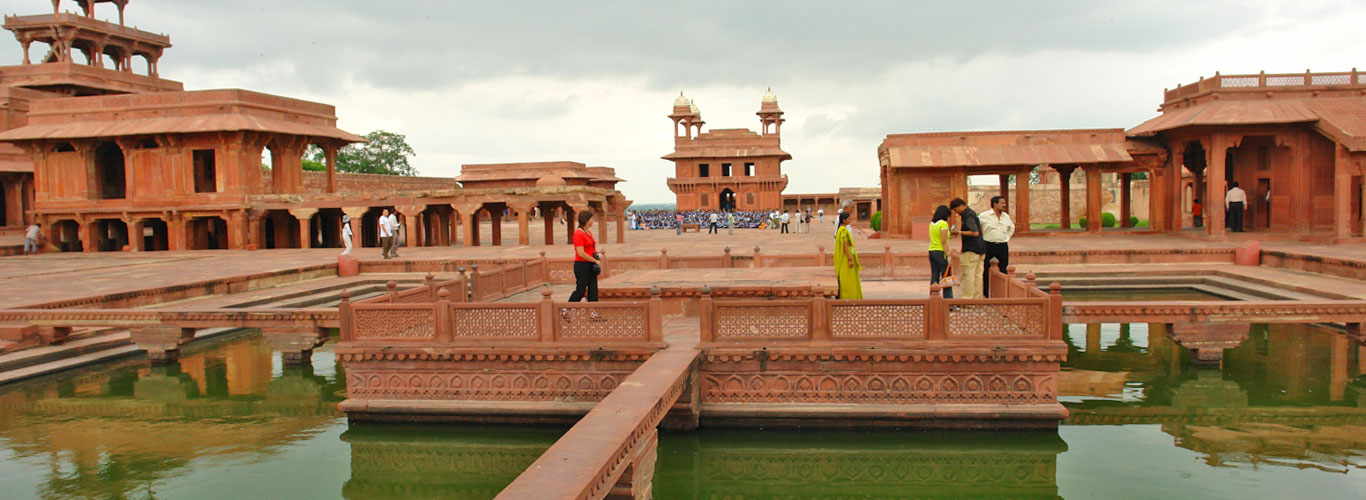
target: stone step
<point>73,348</point>
<point>41,361</point>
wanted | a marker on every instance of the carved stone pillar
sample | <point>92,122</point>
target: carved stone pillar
<point>305,217</point>
<point>357,215</point>
<point>1065,195</point>
<point>1093,198</point>
<point>523,222</point>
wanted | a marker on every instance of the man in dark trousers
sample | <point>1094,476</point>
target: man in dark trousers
<point>1235,201</point>
<point>997,228</point>
<point>974,248</point>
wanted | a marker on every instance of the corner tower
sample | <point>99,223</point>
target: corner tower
<point>727,169</point>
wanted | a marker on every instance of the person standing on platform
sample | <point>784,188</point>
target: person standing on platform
<point>400,236</point>
<point>974,248</point>
<point>586,263</point>
<point>712,221</point>
<point>730,222</point>
<point>820,214</point>
<point>678,223</point>
<point>386,234</point>
<point>847,265</point>
<point>939,256</point>
<point>346,234</point>
<point>785,218</point>
<point>997,228</point>
<point>31,236</point>
<point>1198,213</point>
<point>1235,201</point>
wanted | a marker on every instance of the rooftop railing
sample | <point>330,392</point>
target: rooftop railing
<point>1264,80</point>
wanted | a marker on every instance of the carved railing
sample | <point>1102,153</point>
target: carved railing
<point>507,279</point>
<point>480,323</point>
<point>457,290</point>
<point>1023,312</point>
<point>1265,80</point>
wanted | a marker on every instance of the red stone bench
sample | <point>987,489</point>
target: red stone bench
<point>696,228</point>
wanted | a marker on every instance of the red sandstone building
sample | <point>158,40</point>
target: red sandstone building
<point>727,169</point>
<point>1296,143</point>
<point>110,159</point>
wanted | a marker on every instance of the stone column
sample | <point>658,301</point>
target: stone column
<point>330,156</point>
<point>1342,193</point>
<point>548,217</point>
<point>496,225</point>
<point>135,242</point>
<point>1021,208</point>
<point>1065,195</point>
<point>1094,205</point>
<point>620,220</point>
<point>411,226</point>
<point>455,226</point>
<point>237,230</point>
<point>469,217</point>
<point>571,221</point>
<point>523,223</point>
<point>600,218</point>
<point>305,217</point>
<point>1125,182</point>
<point>357,215</point>
<point>1214,183</point>
<point>1004,180</point>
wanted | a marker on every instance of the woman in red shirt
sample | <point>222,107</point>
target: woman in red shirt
<point>586,263</point>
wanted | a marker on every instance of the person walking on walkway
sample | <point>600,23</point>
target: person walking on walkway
<point>974,248</point>
<point>997,228</point>
<point>586,262</point>
<point>346,234</point>
<point>730,222</point>
<point>847,265</point>
<point>386,234</point>
<point>31,236</point>
<point>712,220</point>
<point>1235,201</point>
<point>400,236</point>
<point>939,256</point>
<point>678,223</point>
<point>785,218</point>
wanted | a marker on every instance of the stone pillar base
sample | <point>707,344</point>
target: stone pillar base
<point>295,344</point>
<point>162,343</point>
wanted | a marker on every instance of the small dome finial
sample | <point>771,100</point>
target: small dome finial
<point>681,101</point>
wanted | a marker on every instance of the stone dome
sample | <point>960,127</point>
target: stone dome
<point>692,107</point>
<point>681,101</point>
<point>550,180</point>
<point>769,97</point>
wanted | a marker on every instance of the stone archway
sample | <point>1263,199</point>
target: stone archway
<point>726,200</point>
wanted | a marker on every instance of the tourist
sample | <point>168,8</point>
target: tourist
<point>939,257</point>
<point>711,227</point>
<point>1198,213</point>
<point>785,218</point>
<point>997,228</point>
<point>820,213</point>
<point>386,234</point>
<point>847,265</point>
<point>974,248</point>
<point>346,234</point>
<point>31,236</point>
<point>1234,202</point>
<point>730,222</point>
<point>586,261</point>
<point>400,235</point>
<point>678,223</point>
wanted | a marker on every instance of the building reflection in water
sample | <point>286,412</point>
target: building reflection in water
<point>114,431</point>
<point>849,464</point>
<point>456,463</point>
<point>1291,395</point>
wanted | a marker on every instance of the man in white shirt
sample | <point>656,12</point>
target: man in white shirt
<point>31,238</point>
<point>785,218</point>
<point>399,236</point>
<point>997,228</point>
<point>711,223</point>
<point>1234,203</point>
<point>820,214</point>
<point>386,233</point>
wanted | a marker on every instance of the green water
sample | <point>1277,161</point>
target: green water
<point>1283,419</point>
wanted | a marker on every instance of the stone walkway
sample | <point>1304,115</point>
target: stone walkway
<point>54,277</point>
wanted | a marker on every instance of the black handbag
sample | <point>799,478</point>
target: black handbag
<point>597,268</point>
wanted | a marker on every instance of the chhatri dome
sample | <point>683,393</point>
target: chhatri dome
<point>550,180</point>
<point>769,97</point>
<point>692,106</point>
<point>682,101</point>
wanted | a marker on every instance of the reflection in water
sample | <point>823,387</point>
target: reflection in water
<point>1284,397</point>
<point>847,464</point>
<point>454,463</point>
<point>115,431</point>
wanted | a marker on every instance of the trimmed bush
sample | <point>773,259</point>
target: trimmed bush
<point>1108,219</point>
<point>1133,221</point>
<point>876,221</point>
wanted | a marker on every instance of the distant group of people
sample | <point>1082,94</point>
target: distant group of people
<point>1235,205</point>
<point>715,220</point>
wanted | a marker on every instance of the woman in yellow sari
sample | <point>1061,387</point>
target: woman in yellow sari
<point>847,265</point>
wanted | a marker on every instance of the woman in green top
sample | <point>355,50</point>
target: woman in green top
<point>939,234</point>
<point>846,261</point>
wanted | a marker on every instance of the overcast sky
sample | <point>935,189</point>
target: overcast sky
<point>507,81</point>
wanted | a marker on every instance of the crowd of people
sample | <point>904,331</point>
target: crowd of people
<point>670,219</point>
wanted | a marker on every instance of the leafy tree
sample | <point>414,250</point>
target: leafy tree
<point>386,153</point>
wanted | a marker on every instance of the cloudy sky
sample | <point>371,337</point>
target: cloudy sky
<point>588,81</point>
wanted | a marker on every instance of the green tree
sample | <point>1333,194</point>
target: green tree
<point>386,153</point>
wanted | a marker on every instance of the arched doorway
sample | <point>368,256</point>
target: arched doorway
<point>109,171</point>
<point>325,228</point>
<point>727,200</point>
<point>208,233</point>
<point>281,229</point>
<point>110,235</point>
<point>66,234</point>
